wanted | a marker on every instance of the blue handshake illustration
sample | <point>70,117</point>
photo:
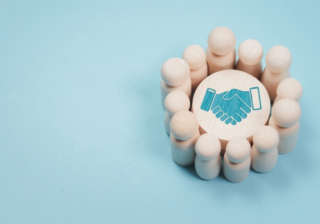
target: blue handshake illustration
<point>232,106</point>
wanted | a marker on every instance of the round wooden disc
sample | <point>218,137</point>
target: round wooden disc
<point>230,104</point>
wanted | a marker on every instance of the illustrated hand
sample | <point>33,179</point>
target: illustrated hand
<point>232,106</point>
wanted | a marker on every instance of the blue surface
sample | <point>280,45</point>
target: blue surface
<point>81,124</point>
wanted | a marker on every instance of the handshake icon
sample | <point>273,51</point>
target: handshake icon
<point>232,106</point>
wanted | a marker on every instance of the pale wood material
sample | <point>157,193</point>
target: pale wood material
<point>225,81</point>
<point>289,88</point>
<point>166,89</point>
<point>237,160</point>
<point>285,119</point>
<point>263,162</point>
<point>250,55</point>
<point>236,172</point>
<point>278,60</point>
<point>175,101</point>
<point>221,41</point>
<point>286,112</point>
<point>184,125</point>
<point>197,76</point>
<point>208,160</point>
<point>208,147</point>
<point>238,150</point>
<point>223,147</point>
<point>271,81</point>
<point>254,70</point>
<point>208,170</point>
<point>195,56</point>
<point>218,63</point>
<point>183,152</point>
<point>264,152</point>
<point>250,52</point>
<point>288,136</point>
<point>175,71</point>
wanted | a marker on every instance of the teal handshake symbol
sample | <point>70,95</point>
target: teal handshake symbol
<point>232,106</point>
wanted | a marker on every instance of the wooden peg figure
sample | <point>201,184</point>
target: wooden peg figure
<point>208,160</point>
<point>184,134</point>
<point>175,74</point>
<point>278,60</point>
<point>285,119</point>
<point>175,101</point>
<point>195,56</point>
<point>221,53</point>
<point>264,153</point>
<point>237,160</point>
<point>250,55</point>
<point>289,88</point>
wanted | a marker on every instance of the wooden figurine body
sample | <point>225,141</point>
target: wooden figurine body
<point>183,152</point>
<point>289,88</point>
<point>175,73</point>
<point>271,80</point>
<point>285,119</point>
<point>197,76</point>
<point>264,152</point>
<point>221,53</point>
<point>278,60</point>
<point>208,160</point>
<point>237,160</point>
<point>254,70</point>
<point>195,56</point>
<point>184,134</point>
<point>236,172</point>
<point>288,136</point>
<point>250,55</point>
<point>175,101</point>
<point>218,63</point>
<point>166,89</point>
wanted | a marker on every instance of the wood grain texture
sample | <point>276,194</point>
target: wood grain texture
<point>225,81</point>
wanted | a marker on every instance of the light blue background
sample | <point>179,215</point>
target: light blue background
<point>81,124</point>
